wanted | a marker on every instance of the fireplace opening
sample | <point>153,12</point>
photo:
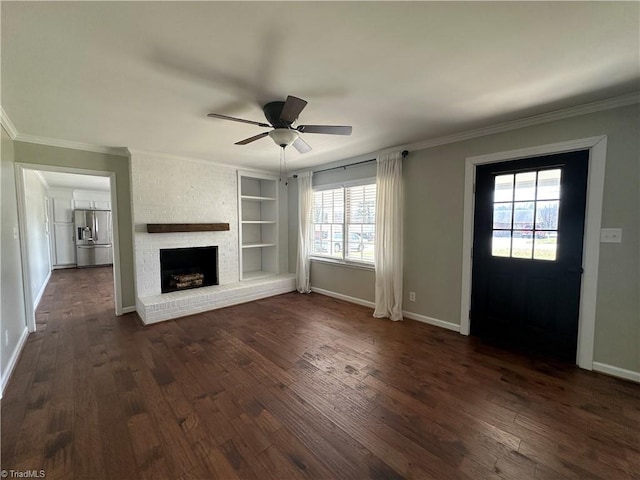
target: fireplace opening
<point>184,268</point>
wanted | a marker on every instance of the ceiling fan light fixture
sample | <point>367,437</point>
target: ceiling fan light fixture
<point>283,137</point>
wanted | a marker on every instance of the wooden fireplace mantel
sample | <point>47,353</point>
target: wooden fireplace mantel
<point>186,227</point>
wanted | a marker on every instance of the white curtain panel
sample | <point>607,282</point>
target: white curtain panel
<point>388,244</point>
<point>305,202</point>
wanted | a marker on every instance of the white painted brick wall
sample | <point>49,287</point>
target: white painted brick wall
<point>171,190</point>
<point>172,305</point>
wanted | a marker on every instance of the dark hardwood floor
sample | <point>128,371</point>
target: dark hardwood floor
<point>297,386</point>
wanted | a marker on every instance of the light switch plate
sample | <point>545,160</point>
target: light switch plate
<point>611,235</point>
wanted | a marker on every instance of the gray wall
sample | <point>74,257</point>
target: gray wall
<point>434,186</point>
<point>64,157</point>
<point>12,308</point>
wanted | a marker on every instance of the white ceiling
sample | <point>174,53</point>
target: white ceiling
<point>76,181</point>
<point>145,74</point>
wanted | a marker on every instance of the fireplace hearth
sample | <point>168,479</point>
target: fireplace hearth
<point>185,268</point>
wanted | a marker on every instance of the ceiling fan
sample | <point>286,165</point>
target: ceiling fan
<point>281,116</point>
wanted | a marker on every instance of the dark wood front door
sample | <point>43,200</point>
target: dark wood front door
<point>527,253</point>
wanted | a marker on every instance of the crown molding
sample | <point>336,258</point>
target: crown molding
<point>593,107</point>
<point>7,124</point>
<point>54,142</point>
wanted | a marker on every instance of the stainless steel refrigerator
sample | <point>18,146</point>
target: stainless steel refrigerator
<point>93,237</point>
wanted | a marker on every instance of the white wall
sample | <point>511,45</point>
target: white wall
<point>13,325</point>
<point>38,258</point>
<point>170,190</point>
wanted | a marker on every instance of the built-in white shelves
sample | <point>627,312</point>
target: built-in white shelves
<point>255,275</point>
<point>253,198</point>
<point>258,245</point>
<point>258,235</point>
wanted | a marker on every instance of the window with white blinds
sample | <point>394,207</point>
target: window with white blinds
<point>344,223</point>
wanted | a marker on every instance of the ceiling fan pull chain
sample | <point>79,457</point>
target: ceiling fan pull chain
<point>281,161</point>
<point>284,158</point>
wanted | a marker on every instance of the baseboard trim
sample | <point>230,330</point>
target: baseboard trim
<point>410,315</point>
<point>346,298</point>
<point>13,361</point>
<point>36,302</point>
<point>128,309</point>
<point>617,371</point>
<point>431,321</point>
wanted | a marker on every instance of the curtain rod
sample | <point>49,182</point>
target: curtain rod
<point>404,154</point>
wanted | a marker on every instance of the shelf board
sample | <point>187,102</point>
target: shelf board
<point>259,221</point>
<point>256,274</point>
<point>186,227</point>
<point>257,245</point>
<point>254,198</point>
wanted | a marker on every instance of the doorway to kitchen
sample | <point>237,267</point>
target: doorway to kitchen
<point>51,201</point>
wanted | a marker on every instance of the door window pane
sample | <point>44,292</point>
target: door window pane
<point>501,243</point>
<point>523,215</point>
<point>522,245</point>
<point>525,186</point>
<point>547,215</point>
<point>502,215</point>
<point>549,184</point>
<point>545,246</point>
<point>503,190</point>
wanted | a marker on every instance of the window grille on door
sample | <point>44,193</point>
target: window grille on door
<point>525,214</point>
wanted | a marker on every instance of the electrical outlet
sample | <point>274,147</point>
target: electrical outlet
<point>611,235</point>
<point>412,296</point>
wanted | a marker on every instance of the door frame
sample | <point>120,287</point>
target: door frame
<point>597,147</point>
<point>20,169</point>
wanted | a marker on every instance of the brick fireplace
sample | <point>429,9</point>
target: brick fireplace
<point>169,189</point>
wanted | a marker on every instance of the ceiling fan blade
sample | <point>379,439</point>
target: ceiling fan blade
<point>301,145</point>
<point>292,108</point>
<point>328,129</point>
<point>234,119</point>
<point>252,139</point>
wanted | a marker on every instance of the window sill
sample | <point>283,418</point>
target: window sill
<point>343,263</point>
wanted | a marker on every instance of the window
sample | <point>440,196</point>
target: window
<point>525,214</point>
<point>344,222</point>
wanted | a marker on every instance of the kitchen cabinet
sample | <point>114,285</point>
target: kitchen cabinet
<point>81,204</point>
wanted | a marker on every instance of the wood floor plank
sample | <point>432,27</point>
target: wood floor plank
<point>298,387</point>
